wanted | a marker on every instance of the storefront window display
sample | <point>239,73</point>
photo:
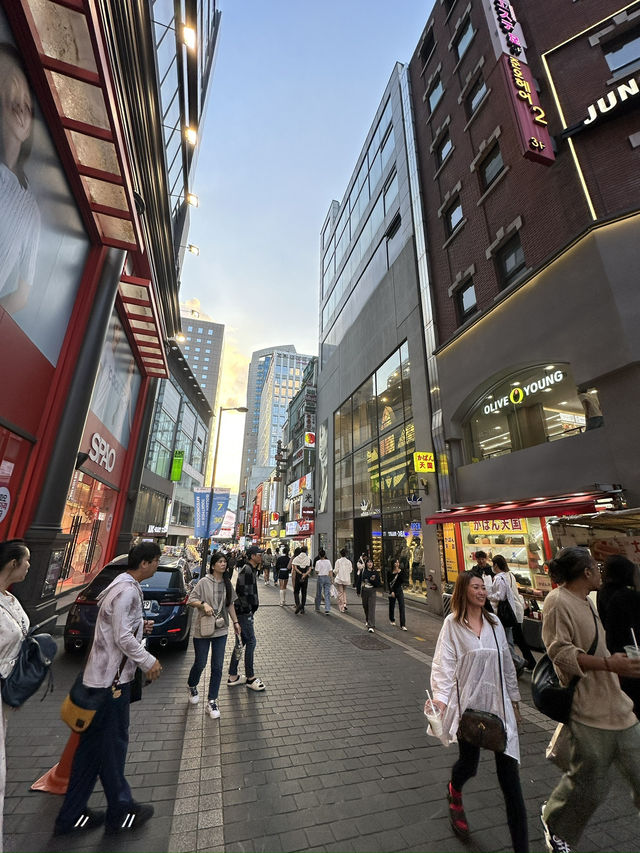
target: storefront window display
<point>373,480</point>
<point>531,407</point>
<point>88,517</point>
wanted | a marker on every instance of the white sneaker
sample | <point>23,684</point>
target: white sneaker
<point>403,628</point>
<point>193,696</point>
<point>212,709</point>
<point>393,624</point>
<point>371,630</point>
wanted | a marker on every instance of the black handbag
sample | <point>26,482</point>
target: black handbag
<point>31,668</point>
<point>548,695</point>
<point>506,614</point>
<point>482,728</point>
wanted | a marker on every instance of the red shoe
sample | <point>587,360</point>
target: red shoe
<point>457,817</point>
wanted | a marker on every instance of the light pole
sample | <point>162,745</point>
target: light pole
<point>205,547</point>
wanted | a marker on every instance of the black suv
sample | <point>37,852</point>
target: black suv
<point>165,601</point>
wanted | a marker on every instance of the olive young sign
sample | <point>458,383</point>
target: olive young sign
<point>519,393</point>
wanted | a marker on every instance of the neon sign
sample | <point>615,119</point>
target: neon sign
<point>507,22</point>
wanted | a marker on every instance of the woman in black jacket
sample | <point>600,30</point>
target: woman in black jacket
<point>370,582</point>
<point>396,593</point>
<point>619,609</point>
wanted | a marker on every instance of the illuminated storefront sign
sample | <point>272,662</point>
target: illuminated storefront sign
<point>310,439</point>
<point>529,116</point>
<point>609,105</point>
<point>102,453</point>
<point>424,462</point>
<point>298,486</point>
<point>519,393</point>
<point>505,31</point>
<point>498,525</point>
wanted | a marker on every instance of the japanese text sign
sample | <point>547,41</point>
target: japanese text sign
<point>424,463</point>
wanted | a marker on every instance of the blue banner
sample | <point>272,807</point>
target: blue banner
<point>205,511</point>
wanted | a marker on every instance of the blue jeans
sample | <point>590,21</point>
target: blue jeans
<point>102,752</point>
<point>201,648</point>
<point>323,587</point>
<point>249,642</point>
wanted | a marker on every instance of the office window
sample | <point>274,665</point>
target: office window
<point>198,340</point>
<point>209,331</point>
<point>437,91</point>
<point>189,328</point>
<point>491,167</point>
<point>200,331</point>
<point>465,298</point>
<point>510,261</point>
<point>623,51</point>
<point>464,39</point>
<point>453,216</point>
<point>443,148</point>
<point>477,93</point>
<point>449,4</point>
<point>427,46</point>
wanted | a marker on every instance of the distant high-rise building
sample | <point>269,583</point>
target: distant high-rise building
<point>281,384</point>
<point>202,348</point>
<point>260,361</point>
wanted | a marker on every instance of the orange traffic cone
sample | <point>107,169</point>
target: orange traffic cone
<point>56,780</point>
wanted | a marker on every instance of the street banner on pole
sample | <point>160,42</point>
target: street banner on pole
<point>202,505</point>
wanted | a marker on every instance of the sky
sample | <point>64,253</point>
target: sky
<point>294,91</point>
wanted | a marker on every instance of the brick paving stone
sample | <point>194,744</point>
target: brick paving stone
<point>332,756</point>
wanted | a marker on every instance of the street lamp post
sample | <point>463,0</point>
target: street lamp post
<point>205,547</point>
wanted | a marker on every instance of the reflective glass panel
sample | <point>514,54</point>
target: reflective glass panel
<point>389,393</point>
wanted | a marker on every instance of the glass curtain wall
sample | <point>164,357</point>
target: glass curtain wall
<point>373,467</point>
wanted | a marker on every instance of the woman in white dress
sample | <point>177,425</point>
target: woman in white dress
<point>472,668</point>
<point>14,626</point>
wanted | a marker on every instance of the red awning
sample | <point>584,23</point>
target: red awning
<point>575,504</point>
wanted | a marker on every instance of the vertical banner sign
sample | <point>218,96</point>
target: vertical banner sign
<point>218,511</point>
<point>202,502</point>
<point>531,120</point>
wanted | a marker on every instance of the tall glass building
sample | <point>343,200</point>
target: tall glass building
<point>373,408</point>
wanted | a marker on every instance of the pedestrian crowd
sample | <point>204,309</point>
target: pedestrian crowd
<point>474,698</point>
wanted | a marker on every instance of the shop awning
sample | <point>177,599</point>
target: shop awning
<point>575,504</point>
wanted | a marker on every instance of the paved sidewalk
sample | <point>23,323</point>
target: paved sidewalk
<point>332,756</point>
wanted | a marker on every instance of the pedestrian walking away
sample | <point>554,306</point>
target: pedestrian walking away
<point>300,569</point>
<point>14,626</point>
<point>212,597</point>
<point>473,669</point>
<point>603,729</point>
<point>343,573</point>
<point>370,583</point>
<point>283,567</point>
<point>117,648</point>
<point>246,605</point>
<point>396,593</point>
<point>619,609</point>
<point>267,565</point>
<point>323,584</point>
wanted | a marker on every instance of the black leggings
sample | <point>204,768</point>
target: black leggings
<point>300,590</point>
<point>509,778</point>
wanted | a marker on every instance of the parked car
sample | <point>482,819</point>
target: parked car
<point>165,601</point>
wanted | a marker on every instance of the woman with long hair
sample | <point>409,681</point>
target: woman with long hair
<point>370,582</point>
<point>14,627</point>
<point>396,593</point>
<point>505,588</point>
<point>212,597</point>
<point>282,569</point>
<point>472,669</point>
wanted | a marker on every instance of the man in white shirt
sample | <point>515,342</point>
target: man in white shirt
<point>117,650</point>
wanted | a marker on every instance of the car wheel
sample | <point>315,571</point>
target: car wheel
<point>183,645</point>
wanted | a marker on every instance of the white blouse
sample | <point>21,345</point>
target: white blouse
<point>472,661</point>
<point>14,627</point>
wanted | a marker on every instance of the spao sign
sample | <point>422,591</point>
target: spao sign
<point>102,453</point>
<point>519,393</point>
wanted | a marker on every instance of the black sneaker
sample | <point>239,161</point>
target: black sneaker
<point>136,816</point>
<point>553,842</point>
<point>89,819</point>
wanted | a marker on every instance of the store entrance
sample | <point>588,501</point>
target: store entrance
<point>367,537</point>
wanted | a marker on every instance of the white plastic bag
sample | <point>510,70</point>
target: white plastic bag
<point>333,592</point>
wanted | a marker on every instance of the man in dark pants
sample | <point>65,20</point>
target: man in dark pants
<point>246,605</point>
<point>102,752</point>
<point>301,568</point>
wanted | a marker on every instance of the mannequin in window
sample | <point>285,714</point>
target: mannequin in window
<point>591,405</point>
